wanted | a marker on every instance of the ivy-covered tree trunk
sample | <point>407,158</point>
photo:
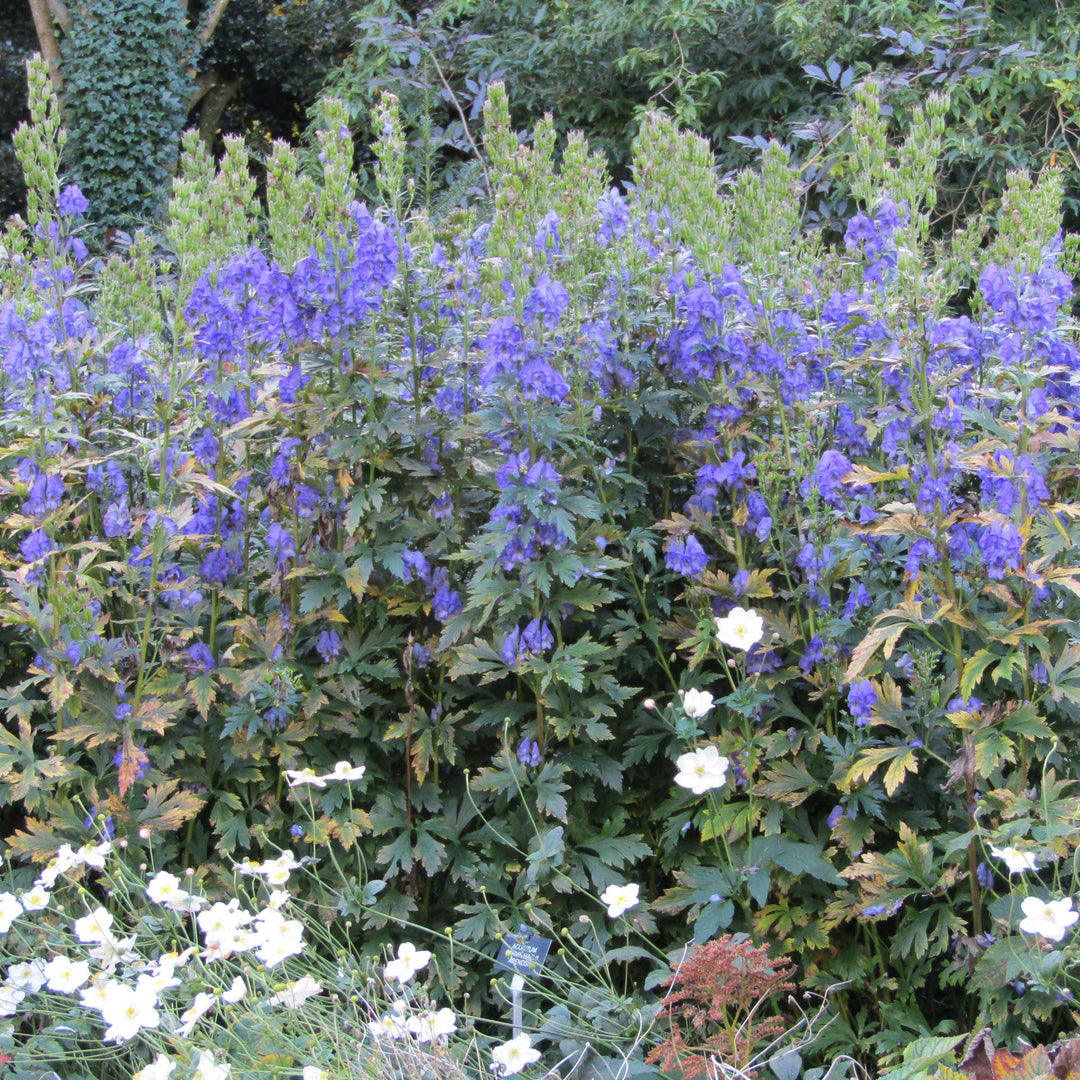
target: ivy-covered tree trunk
<point>127,73</point>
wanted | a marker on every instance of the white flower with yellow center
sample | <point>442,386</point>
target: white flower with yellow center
<point>409,961</point>
<point>739,629</point>
<point>619,898</point>
<point>65,976</point>
<point>1017,861</point>
<point>511,1057</point>
<point>701,770</point>
<point>1047,918</point>
<point>126,1012</point>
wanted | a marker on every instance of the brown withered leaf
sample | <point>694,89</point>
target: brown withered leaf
<point>167,809</point>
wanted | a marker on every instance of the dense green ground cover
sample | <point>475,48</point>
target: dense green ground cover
<point>651,573</point>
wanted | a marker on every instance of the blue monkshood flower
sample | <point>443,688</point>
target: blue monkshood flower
<point>537,636</point>
<point>511,651</point>
<point>445,603</point>
<point>206,448</point>
<point>117,520</point>
<point>201,656</point>
<point>123,711</point>
<point>546,302</point>
<point>220,565</point>
<point>296,832</point>
<point>738,769</point>
<point>1039,674</point>
<point>46,495</point>
<point>934,493</point>
<point>280,545</point>
<point>413,564</point>
<point>874,910</point>
<point>529,753</point>
<point>72,202</point>
<point>857,598</point>
<point>758,520</point>
<point>420,655</point>
<point>734,472</point>
<point>862,697</point>
<point>36,545</point>
<point>970,705</point>
<point>834,817</point>
<point>740,582</point>
<point>827,480</point>
<point>984,875</point>
<point>1025,301</point>
<point>614,217</point>
<point>329,646</point>
<point>442,508</point>
<point>276,717</point>
<point>1001,547</point>
<point>307,500</point>
<point>814,654</point>
<point>686,556</point>
<point>921,549</point>
<point>916,744</point>
<point>74,652</point>
<point>139,756</point>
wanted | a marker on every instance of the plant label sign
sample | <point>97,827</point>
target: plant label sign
<point>522,953</point>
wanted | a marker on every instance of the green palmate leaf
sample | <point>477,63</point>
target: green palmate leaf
<point>788,782</point>
<point>901,760</point>
<point>922,1055</point>
<point>796,857</point>
<point>886,630</point>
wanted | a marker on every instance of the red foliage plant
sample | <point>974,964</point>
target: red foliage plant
<point>717,994</point>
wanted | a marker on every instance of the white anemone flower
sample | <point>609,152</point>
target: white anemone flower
<point>1047,918</point>
<point>127,1012</point>
<point>94,928</point>
<point>28,975</point>
<point>429,1026</point>
<point>701,770</point>
<point>696,703</point>
<point>162,887</point>
<point>10,996</point>
<point>298,777</point>
<point>64,975</point>
<point>346,770</point>
<point>296,993</point>
<point>739,629</point>
<point>1017,861</point>
<point>161,1068</point>
<point>511,1057</point>
<point>37,899</point>
<point>10,910</point>
<point>409,961</point>
<point>387,1027</point>
<point>202,1004</point>
<point>208,1069</point>
<point>619,898</point>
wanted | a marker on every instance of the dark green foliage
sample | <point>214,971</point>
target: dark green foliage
<point>127,80</point>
